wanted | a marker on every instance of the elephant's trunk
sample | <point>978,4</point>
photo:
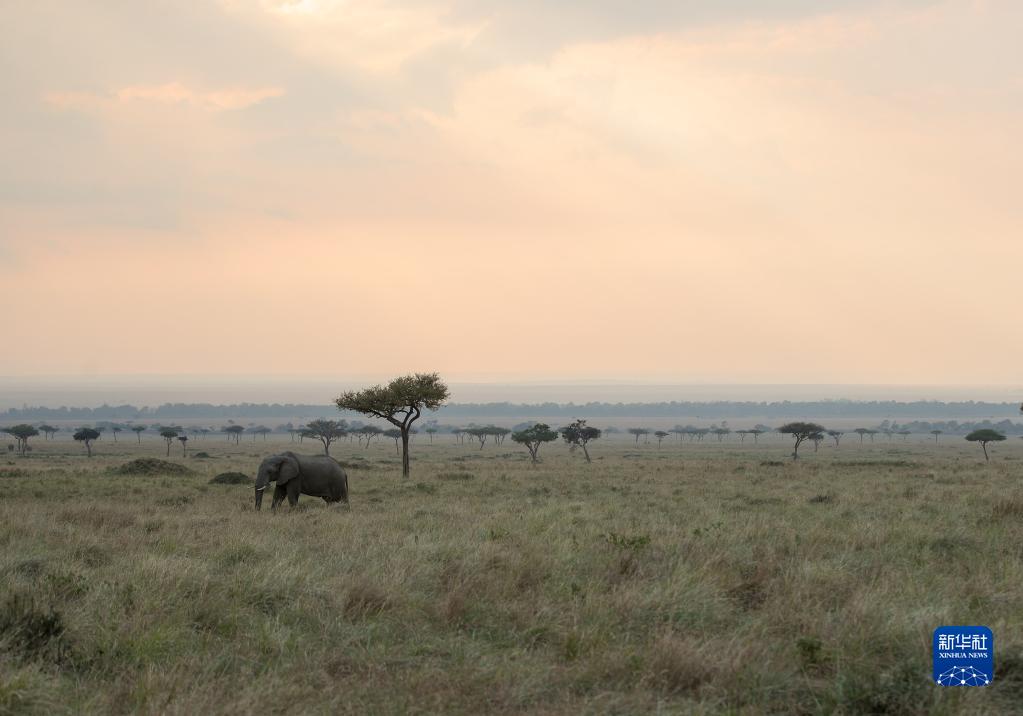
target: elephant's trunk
<point>259,497</point>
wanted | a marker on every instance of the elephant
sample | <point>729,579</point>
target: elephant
<point>316,475</point>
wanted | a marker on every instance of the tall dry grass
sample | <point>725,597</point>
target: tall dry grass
<point>717,578</point>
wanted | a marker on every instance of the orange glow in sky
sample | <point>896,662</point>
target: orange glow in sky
<point>820,192</point>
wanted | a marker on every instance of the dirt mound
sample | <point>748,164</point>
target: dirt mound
<point>200,455</point>
<point>231,478</point>
<point>151,466</point>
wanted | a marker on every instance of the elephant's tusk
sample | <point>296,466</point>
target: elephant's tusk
<point>260,489</point>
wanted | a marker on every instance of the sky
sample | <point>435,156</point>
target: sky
<point>740,191</point>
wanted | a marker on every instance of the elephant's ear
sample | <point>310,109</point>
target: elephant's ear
<point>289,470</point>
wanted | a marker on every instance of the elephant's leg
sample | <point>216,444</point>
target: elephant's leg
<point>279,493</point>
<point>293,489</point>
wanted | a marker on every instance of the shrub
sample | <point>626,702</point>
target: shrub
<point>152,466</point>
<point>231,478</point>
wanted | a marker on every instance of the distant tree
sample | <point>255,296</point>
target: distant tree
<point>836,435</point>
<point>260,430</point>
<point>86,436</point>
<point>114,429</point>
<point>660,435</point>
<point>480,433</point>
<point>638,432</point>
<point>871,434</point>
<point>138,430</point>
<point>578,434</point>
<point>183,439</point>
<point>801,432</point>
<point>861,432</point>
<point>984,437</point>
<point>234,432</point>
<point>904,433</point>
<point>400,403</point>
<point>742,435</point>
<point>721,432</point>
<point>936,433</point>
<point>22,433</point>
<point>678,432</point>
<point>431,431</point>
<point>817,439</point>
<point>499,434</point>
<point>48,431</point>
<point>700,434</point>
<point>368,432</point>
<point>756,433</point>
<point>168,434</point>
<point>533,437</point>
<point>395,435</point>
<point>326,431</point>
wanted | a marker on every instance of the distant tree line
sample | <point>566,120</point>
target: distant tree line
<point>915,410</point>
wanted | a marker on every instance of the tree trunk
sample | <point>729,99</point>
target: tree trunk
<point>168,448</point>
<point>986,458</point>
<point>404,453</point>
<point>586,453</point>
<point>88,448</point>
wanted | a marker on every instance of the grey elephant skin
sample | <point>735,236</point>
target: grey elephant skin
<point>314,475</point>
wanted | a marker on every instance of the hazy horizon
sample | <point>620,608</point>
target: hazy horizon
<point>92,391</point>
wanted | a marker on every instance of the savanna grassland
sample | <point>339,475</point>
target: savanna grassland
<point>691,578</point>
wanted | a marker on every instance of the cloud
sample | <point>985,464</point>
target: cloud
<point>168,93</point>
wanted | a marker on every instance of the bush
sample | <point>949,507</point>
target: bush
<point>152,466</point>
<point>31,632</point>
<point>231,478</point>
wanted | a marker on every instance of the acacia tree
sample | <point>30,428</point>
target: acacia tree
<point>721,432</point>
<point>578,434</point>
<point>234,432</point>
<point>368,432</point>
<point>836,435</point>
<point>138,430</point>
<point>861,432</point>
<point>183,439</point>
<point>168,434</point>
<point>660,435</point>
<point>984,437</point>
<point>114,429</point>
<point>533,437</point>
<point>260,430</point>
<point>756,433</point>
<point>480,434</point>
<point>638,432</point>
<point>48,431</point>
<point>801,432</point>
<point>395,435</point>
<point>326,431</point>
<point>431,431</point>
<point>936,433</point>
<point>86,435</point>
<point>401,402</point>
<point>22,433</point>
